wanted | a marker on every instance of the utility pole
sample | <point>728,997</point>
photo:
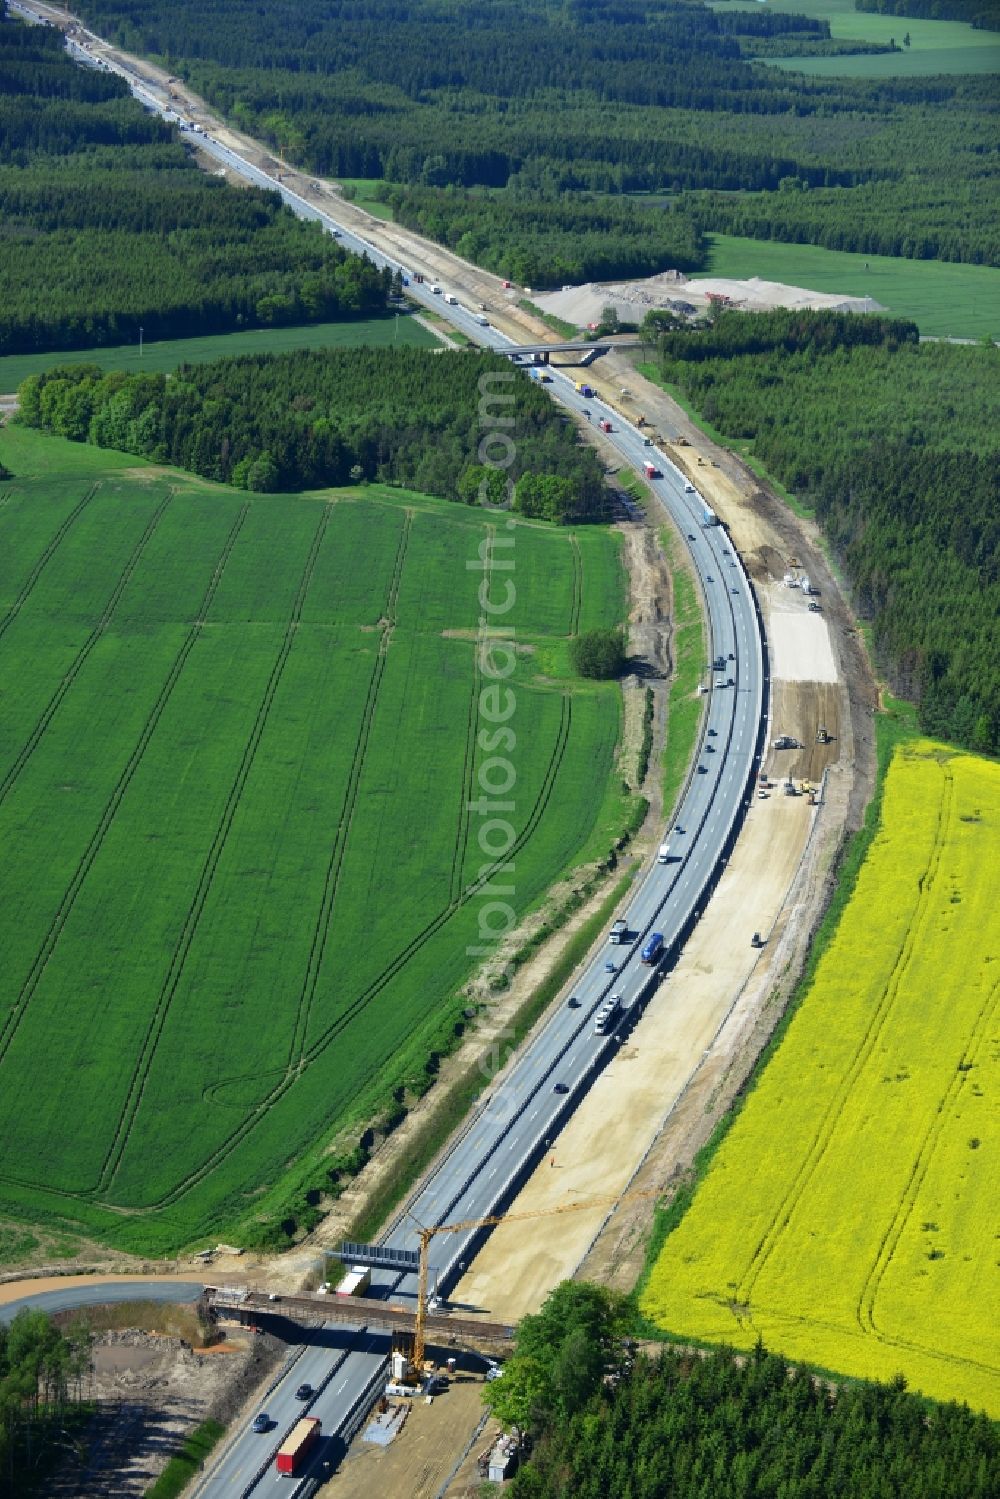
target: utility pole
<point>140,343</point>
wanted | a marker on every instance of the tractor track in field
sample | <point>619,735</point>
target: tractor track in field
<point>331,883</point>
<point>469,767</point>
<point>192,919</point>
<point>46,557</point>
<point>887,1248</point>
<point>826,1126</point>
<point>371,992</point>
<point>577,601</point>
<point>73,671</point>
<point>12,1023</point>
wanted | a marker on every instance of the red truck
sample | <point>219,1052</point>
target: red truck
<point>604,425</point>
<point>651,471</point>
<point>297,1445</point>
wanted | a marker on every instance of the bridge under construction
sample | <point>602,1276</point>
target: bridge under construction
<point>442,1329</point>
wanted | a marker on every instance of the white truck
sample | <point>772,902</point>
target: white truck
<point>663,857</point>
<point>450,298</point>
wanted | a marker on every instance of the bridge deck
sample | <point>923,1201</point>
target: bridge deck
<point>441,1328</point>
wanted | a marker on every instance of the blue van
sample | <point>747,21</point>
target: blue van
<point>653,951</point>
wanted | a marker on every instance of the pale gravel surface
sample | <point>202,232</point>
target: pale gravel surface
<point>800,642</point>
<point>633,299</point>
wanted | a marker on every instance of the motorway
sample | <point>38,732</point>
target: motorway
<point>512,1128</point>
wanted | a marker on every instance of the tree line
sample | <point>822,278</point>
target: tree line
<point>910,217</point>
<point>42,1371</point>
<point>315,418</point>
<point>604,1420</point>
<point>548,242</point>
<point>984,14</point>
<point>558,97</point>
<point>894,444</point>
<point>106,224</point>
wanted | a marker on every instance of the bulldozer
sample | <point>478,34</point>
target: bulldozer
<point>822,737</point>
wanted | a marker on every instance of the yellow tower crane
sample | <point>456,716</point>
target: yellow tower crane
<point>427,1234</point>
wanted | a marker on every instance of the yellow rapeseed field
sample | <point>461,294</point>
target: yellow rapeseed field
<point>851,1216</point>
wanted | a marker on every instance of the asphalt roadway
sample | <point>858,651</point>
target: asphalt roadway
<point>520,1118</point>
<point>72,1298</point>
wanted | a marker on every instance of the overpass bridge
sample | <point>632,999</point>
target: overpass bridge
<point>590,349</point>
<point>442,1329</point>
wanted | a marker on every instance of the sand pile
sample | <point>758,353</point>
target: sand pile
<point>670,289</point>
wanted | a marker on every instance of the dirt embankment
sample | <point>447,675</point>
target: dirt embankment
<point>152,1389</point>
<point>691,1052</point>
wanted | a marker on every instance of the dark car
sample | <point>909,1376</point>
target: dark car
<point>709,579</point>
<point>304,1392</point>
<point>690,536</point>
<point>574,1003</point>
<point>703,770</point>
<point>712,733</point>
<point>561,1088</point>
<point>261,1423</point>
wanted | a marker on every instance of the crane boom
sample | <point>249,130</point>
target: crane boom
<point>492,1221</point>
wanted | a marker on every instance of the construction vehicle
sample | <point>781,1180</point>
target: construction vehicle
<point>682,442</point>
<point>822,737</point>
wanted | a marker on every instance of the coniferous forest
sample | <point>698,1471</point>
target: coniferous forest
<point>312,418</point>
<point>608,1422</point>
<point>896,445</point>
<point>542,102</point>
<point>106,224</point>
<point>699,1428</point>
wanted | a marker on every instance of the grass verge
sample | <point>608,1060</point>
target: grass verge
<point>557,324</point>
<point>368,193</point>
<point>185,1464</point>
<point>684,706</point>
<point>462,1094</point>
